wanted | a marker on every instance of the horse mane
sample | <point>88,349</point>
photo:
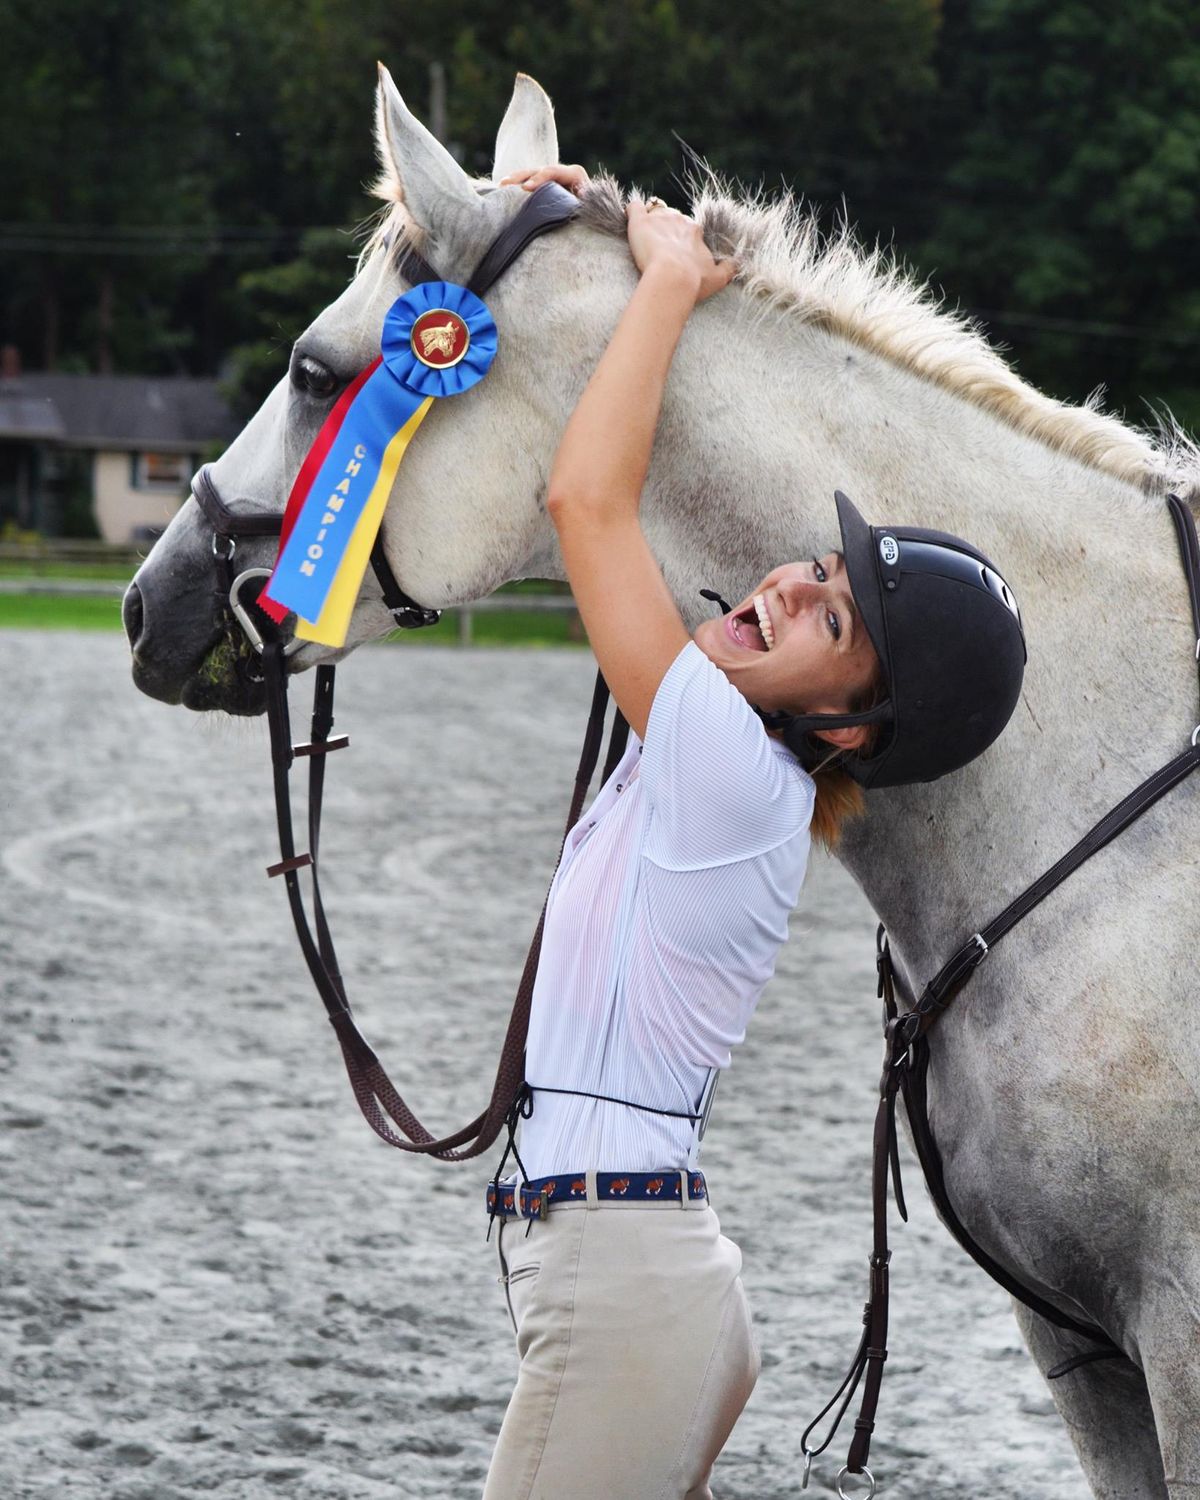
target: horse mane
<point>864,295</point>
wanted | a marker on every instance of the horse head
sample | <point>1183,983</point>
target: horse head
<point>466,513</point>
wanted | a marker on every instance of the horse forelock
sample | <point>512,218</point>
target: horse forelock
<point>865,295</point>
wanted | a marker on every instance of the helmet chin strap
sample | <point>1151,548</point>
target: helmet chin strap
<point>715,598</point>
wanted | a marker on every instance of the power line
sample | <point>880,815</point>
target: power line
<point>1088,326</point>
<point>155,240</point>
<point>150,231</point>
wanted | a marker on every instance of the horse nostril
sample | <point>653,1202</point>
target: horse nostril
<point>132,615</point>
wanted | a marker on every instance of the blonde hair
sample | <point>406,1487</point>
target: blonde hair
<point>839,798</point>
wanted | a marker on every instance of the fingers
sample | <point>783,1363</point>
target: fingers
<point>658,232</point>
<point>568,175</point>
<point>718,278</point>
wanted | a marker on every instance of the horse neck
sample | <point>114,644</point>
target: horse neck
<point>1110,687</point>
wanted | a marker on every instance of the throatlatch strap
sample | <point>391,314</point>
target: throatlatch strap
<point>545,208</point>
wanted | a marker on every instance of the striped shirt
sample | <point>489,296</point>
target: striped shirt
<point>662,927</point>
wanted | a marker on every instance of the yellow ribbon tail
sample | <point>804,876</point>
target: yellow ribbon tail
<point>331,625</point>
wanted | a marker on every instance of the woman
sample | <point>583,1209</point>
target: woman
<point>898,658</point>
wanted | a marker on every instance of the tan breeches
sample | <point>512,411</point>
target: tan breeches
<point>636,1354</point>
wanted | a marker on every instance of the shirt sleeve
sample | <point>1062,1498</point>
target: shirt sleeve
<point>718,789</point>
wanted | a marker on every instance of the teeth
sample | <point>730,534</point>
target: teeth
<point>764,621</point>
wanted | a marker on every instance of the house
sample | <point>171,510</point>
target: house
<point>116,450</point>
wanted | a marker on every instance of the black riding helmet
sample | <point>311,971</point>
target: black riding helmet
<point>948,635</point>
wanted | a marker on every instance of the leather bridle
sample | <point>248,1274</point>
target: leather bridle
<point>548,207</point>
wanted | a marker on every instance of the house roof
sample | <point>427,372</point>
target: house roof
<point>172,414</point>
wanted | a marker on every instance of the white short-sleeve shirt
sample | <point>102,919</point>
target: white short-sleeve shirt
<point>662,927</point>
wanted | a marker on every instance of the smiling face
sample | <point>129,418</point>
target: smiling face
<point>797,643</point>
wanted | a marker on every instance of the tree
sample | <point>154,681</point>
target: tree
<point>1067,144</point>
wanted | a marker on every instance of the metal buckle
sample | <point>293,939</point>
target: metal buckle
<point>984,949</point>
<point>866,1474</point>
<point>1195,735</point>
<point>706,1101</point>
<point>224,556</point>
<point>413,616</point>
<point>242,614</point>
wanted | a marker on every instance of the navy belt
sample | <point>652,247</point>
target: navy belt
<point>534,1200</point>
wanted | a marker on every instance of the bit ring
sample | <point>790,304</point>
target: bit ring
<point>865,1473</point>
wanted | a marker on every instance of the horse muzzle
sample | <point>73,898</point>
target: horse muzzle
<point>163,625</point>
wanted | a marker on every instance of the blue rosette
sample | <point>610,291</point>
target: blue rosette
<point>415,307</point>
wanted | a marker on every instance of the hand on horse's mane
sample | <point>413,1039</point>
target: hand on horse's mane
<point>662,236</point>
<point>574,178</point>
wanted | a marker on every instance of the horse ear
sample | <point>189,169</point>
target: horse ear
<point>527,137</point>
<point>418,171</point>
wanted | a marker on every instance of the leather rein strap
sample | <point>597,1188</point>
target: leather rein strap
<point>905,1070</point>
<point>380,1102</point>
<point>382,1106</point>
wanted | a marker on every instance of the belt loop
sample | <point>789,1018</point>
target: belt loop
<point>685,1178</point>
<point>593,1199</point>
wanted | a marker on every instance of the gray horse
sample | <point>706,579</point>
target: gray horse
<point>1063,1083</point>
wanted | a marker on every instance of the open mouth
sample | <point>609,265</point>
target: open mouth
<point>751,628</point>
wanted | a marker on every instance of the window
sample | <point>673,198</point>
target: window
<point>152,471</point>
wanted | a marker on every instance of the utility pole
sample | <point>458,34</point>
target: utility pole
<point>437,110</point>
<point>437,100</point>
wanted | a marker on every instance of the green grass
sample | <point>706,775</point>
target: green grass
<point>52,612</point>
<point>507,628</point>
<point>72,612</point>
<point>104,572</point>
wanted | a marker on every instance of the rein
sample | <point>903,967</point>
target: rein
<point>548,207</point>
<point>905,1071</point>
<point>380,1102</point>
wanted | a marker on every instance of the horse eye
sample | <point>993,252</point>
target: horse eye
<point>312,377</point>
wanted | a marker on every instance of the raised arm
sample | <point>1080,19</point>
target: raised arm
<point>596,483</point>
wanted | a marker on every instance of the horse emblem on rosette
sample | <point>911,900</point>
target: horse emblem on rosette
<point>1064,1095</point>
<point>442,344</point>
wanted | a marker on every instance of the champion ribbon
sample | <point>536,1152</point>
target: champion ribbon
<point>438,340</point>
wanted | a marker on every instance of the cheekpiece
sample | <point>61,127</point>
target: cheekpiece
<point>438,339</point>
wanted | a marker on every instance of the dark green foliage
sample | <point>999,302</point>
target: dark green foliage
<point>1041,158</point>
<point>1067,140</point>
<point>281,300</point>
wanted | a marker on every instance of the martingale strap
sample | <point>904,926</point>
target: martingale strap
<point>906,1066</point>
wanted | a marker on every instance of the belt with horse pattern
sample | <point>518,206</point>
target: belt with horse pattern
<point>534,1200</point>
